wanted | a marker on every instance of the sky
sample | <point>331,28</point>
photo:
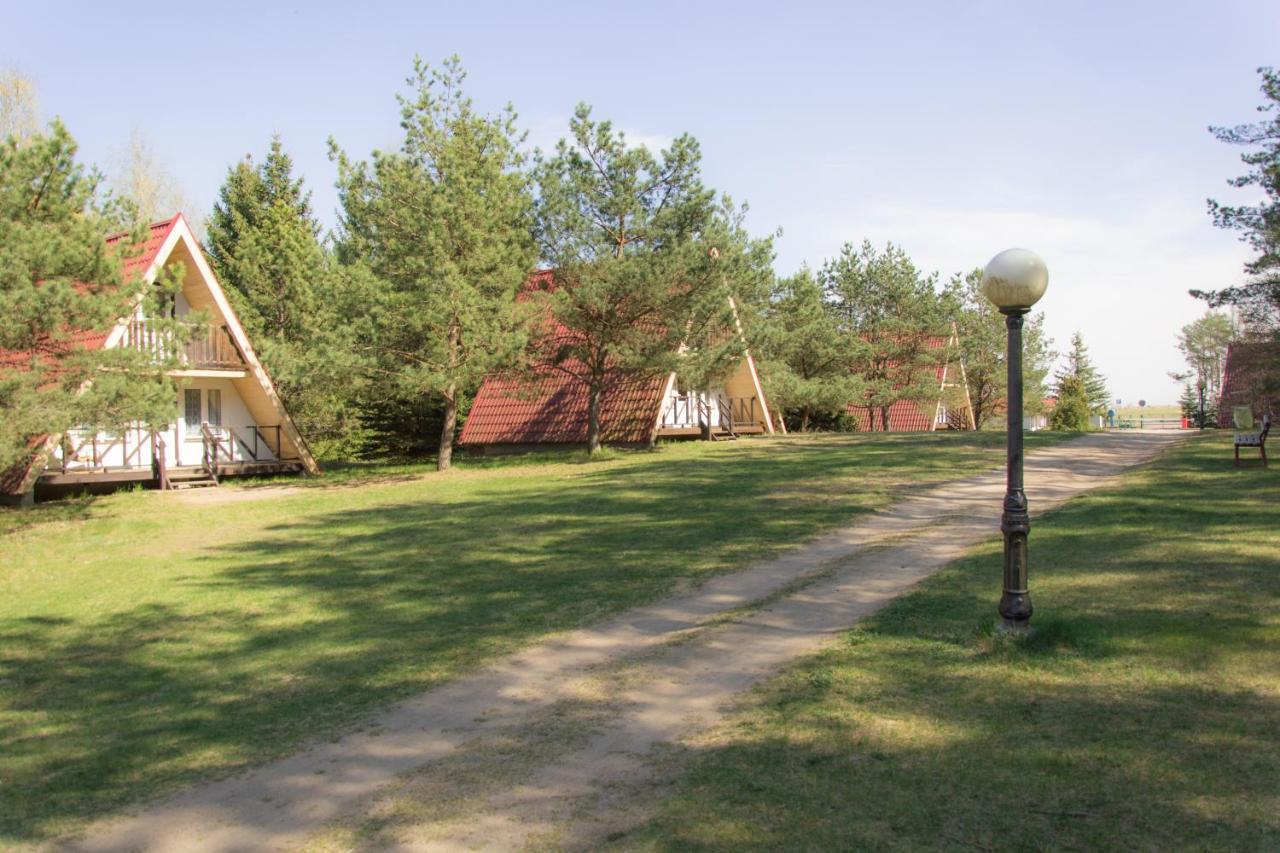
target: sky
<point>952,129</point>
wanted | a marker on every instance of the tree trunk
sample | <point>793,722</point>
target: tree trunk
<point>593,417</point>
<point>804,420</point>
<point>444,457</point>
<point>884,418</point>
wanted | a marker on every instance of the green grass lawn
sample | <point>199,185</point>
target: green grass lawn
<point>147,643</point>
<point>1144,713</point>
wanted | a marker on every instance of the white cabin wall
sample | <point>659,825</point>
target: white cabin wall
<point>235,414</point>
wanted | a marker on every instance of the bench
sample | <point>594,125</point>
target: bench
<point>1254,439</point>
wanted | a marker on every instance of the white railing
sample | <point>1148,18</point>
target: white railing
<point>83,451</point>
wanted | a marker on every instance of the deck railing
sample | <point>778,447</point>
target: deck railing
<point>741,410</point>
<point>210,349</point>
<point>95,451</point>
<point>138,447</point>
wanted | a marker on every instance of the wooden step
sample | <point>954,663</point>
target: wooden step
<point>190,477</point>
<point>193,484</point>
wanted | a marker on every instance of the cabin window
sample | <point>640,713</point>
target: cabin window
<point>191,401</point>
<point>213,408</point>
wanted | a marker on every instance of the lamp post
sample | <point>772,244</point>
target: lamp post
<point>1013,281</point>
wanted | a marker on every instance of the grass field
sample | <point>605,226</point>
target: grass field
<point>1143,714</point>
<point>1133,413</point>
<point>152,640</point>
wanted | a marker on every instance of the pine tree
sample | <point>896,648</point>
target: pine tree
<point>59,279</point>
<point>888,310</point>
<point>1189,403</point>
<point>1258,299</point>
<point>263,244</point>
<point>644,262</point>
<point>804,355</point>
<point>1071,412</point>
<point>1080,366</point>
<point>442,229</point>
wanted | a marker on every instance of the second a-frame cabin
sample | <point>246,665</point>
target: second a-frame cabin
<point>547,407</point>
<point>947,407</point>
<point>228,418</point>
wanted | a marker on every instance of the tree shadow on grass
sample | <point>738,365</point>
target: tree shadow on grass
<point>982,764</point>
<point>330,616</point>
<point>15,519</point>
<point>1137,715</point>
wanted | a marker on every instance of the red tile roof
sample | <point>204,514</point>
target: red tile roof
<point>1251,378</point>
<point>904,415</point>
<point>549,404</point>
<point>157,233</point>
<point>136,264</point>
<point>551,408</point>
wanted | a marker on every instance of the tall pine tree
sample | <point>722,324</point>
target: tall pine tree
<point>645,262</point>
<point>263,244</point>
<point>442,228</point>
<point>805,356</point>
<point>1092,386</point>
<point>888,310</point>
<point>60,282</point>
<point>1258,299</point>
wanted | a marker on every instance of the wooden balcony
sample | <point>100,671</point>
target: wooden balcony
<point>211,349</point>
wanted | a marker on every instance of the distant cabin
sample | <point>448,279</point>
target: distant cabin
<point>933,413</point>
<point>547,407</point>
<point>228,418</point>
<point>1250,377</point>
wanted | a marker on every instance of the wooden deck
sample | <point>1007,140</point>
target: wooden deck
<point>176,474</point>
<point>695,432</point>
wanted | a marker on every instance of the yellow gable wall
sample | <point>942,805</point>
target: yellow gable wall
<point>740,385</point>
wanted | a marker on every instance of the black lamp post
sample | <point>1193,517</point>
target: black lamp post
<point>1014,281</point>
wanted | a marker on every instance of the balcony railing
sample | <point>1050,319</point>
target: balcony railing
<point>211,349</point>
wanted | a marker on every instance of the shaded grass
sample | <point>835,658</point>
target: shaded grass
<point>1144,713</point>
<point>148,641</point>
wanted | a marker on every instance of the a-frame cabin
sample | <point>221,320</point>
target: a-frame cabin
<point>228,418</point>
<point>547,406</point>
<point>932,413</point>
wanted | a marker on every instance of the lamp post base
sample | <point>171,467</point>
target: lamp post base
<point>1006,628</point>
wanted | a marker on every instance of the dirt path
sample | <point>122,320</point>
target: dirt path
<point>565,744</point>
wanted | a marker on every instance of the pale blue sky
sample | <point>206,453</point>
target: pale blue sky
<point>954,129</point>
